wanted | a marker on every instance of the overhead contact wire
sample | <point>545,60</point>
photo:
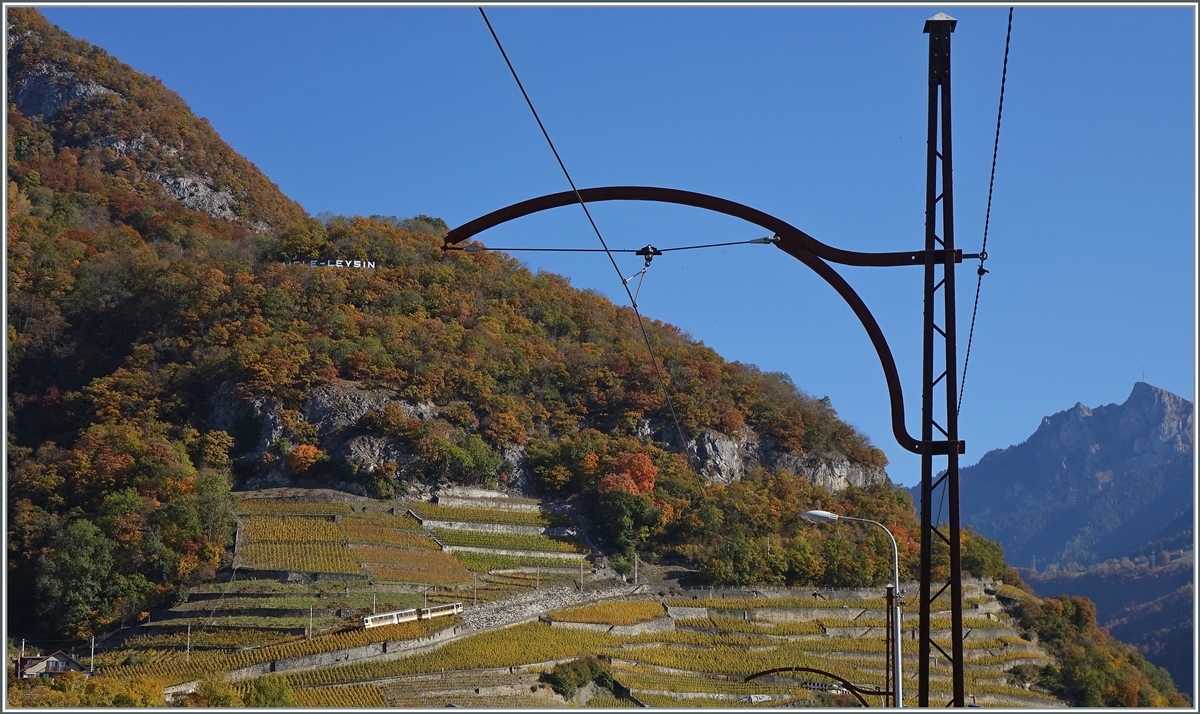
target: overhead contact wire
<point>988,215</point>
<point>583,204</point>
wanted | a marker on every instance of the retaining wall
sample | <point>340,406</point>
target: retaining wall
<point>560,531</point>
<point>506,551</point>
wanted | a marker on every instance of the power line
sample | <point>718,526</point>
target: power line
<point>983,256</point>
<point>583,204</point>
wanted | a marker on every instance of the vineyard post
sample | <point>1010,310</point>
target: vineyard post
<point>372,603</point>
<point>189,644</point>
<point>581,575</point>
<point>92,658</point>
<point>635,564</point>
<point>310,619</point>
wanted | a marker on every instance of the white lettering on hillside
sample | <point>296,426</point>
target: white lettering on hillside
<point>336,263</point>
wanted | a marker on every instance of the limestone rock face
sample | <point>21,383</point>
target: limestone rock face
<point>724,459</point>
<point>46,89</point>
<point>196,192</point>
<point>335,410</point>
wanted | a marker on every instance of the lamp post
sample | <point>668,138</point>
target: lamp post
<point>827,517</point>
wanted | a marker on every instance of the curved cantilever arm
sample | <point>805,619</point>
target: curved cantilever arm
<point>792,241</point>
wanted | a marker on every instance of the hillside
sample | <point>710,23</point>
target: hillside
<point>164,351</point>
<point>1146,606</point>
<point>87,125</point>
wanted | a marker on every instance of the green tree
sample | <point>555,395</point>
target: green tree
<point>75,577</point>
<point>270,691</point>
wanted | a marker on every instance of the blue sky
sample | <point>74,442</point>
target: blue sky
<point>815,115</point>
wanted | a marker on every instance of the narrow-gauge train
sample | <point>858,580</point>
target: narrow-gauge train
<point>421,613</point>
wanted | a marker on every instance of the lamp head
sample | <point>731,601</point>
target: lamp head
<point>819,516</point>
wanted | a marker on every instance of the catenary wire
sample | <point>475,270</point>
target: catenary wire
<point>473,248</point>
<point>987,216</point>
<point>583,204</point>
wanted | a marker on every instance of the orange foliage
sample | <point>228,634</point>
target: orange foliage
<point>301,458</point>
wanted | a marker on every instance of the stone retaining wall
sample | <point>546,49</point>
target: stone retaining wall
<point>373,651</point>
<point>560,531</point>
<point>506,551</point>
<point>658,624</point>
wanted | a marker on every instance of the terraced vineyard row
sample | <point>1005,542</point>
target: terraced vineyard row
<point>308,558</point>
<point>618,612</point>
<point>293,529</point>
<point>485,562</point>
<point>470,514</point>
<point>372,531</point>
<point>508,541</point>
<point>180,668</point>
<point>354,697</point>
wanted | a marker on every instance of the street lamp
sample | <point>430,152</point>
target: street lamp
<point>827,517</point>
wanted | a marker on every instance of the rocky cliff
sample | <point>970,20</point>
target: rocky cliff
<point>335,410</point>
<point>78,97</point>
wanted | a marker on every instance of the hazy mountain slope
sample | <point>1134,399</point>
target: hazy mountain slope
<point>1089,484</point>
<point>1147,608</point>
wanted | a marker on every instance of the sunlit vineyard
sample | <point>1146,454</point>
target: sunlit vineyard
<point>470,514</point>
<point>295,529</point>
<point>297,557</point>
<point>486,562</point>
<point>400,521</point>
<point>280,507</point>
<point>509,541</point>
<point>518,645</point>
<point>608,701</point>
<point>734,624</point>
<point>430,567</point>
<point>362,696</point>
<point>181,668</point>
<point>393,555</point>
<point>666,701</point>
<point>201,637</point>
<point>619,612</point>
<point>371,532</point>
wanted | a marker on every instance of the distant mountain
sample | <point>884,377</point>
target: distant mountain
<point>1093,495</point>
<point>1090,484</point>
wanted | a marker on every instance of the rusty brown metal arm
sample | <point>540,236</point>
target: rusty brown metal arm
<point>781,228</point>
<point>792,240</point>
<point>846,684</point>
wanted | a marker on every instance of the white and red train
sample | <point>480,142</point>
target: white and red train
<point>420,613</point>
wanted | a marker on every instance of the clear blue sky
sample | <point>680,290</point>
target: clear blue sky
<point>816,115</point>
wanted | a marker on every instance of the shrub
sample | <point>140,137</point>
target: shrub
<point>568,677</point>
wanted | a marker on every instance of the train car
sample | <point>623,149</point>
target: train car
<point>395,617</point>
<point>453,608</point>
<point>423,613</point>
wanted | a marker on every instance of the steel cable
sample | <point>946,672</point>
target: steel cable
<point>583,204</point>
<point>962,384</point>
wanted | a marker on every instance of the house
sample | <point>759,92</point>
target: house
<point>50,665</point>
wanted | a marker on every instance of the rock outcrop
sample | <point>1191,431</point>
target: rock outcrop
<point>335,409</point>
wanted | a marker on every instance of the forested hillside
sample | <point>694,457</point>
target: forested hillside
<point>129,309</point>
<point>166,341</point>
